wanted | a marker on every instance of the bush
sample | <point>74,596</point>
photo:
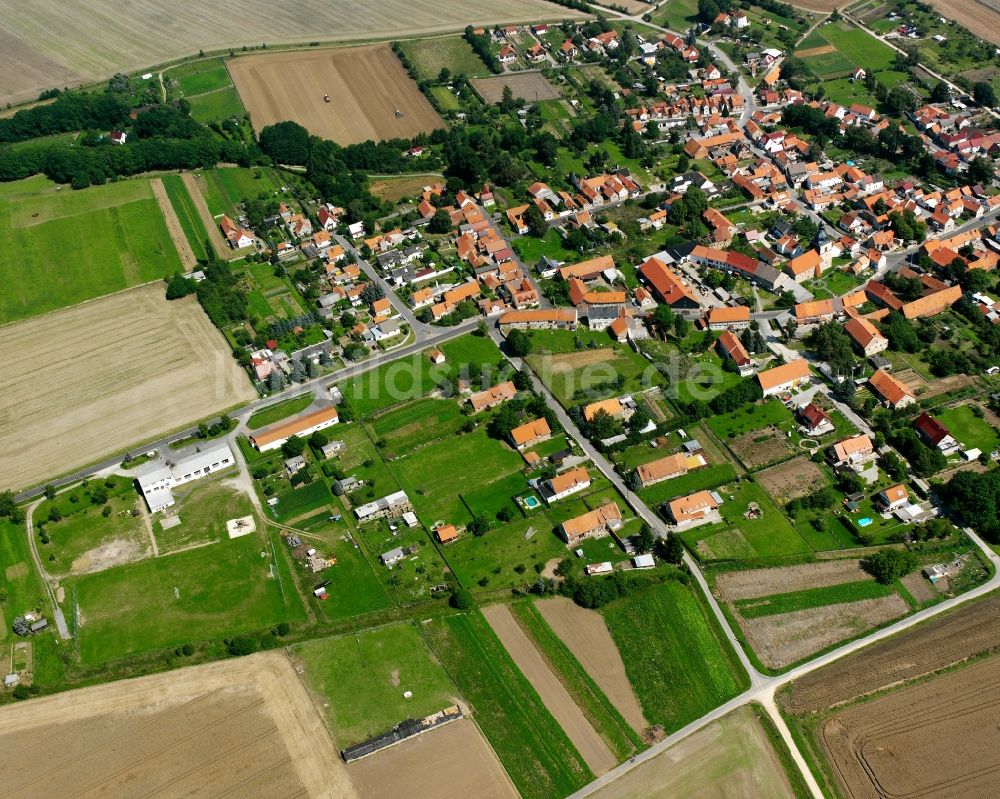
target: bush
<point>282,629</point>
<point>243,645</point>
<point>890,564</point>
<point>461,599</point>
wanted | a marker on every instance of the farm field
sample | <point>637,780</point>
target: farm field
<point>359,681</point>
<point>245,726</point>
<point>173,223</point>
<point>187,214</point>
<point>367,86</point>
<point>43,46</point>
<point>91,380</point>
<point>834,49</point>
<point>943,641</point>
<point>207,592</point>
<point>450,761</point>
<point>530,86</point>
<point>538,756</point>
<point>116,233</point>
<point>673,655</point>
<point>430,56</point>
<point>586,635</point>
<point>730,758</point>
<point>936,738</point>
<point>217,105</point>
<point>397,187</point>
<point>552,692</point>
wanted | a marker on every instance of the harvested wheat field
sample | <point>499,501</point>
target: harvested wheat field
<point>45,44</point>
<point>938,738</point>
<point>731,758</point>
<point>982,17</point>
<point>450,762</point>
<point>529,86</point>
<point>753,583</point>
<point>241,727</point>
<point>586,636</point>
<point>184,251</point>
<point>947,639</point>
<point>553,694</point>
<point>89,381</point>
<point>371,96</point>
<point>786,638</point>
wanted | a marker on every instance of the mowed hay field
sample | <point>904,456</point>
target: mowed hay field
<point>367,85</point>
<point>45,44</point>
<point>91,380</point>
<point>61,247</point>
<point>243,727</point>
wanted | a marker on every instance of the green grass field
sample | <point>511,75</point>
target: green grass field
<point>211,76</point>
<point>858,47</point>
<point>301,500</point>
<point>532,747</point>
<point>21,588</point>
<point>752,417</point>
<point>710,476</point>
<point>226,187</point>
<point>416,423</point>
<point>62,247</point>
<point>203,508</point>
<point>280,410</point>
<point>209,592</point>
<point>445,99</point>
<point>187,214</point>
<point>363,677</point>
<point>674,656</point>
<point>217,105</point>
<point>968,429</point>
<point>430,56</point>
<point>602,714</point>
<point>812,598</point>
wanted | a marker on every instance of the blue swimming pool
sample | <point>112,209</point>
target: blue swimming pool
<point>864,522</point>
<point>531,502</point>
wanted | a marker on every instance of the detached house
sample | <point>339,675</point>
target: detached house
<point>891,392</point>
<point>566,484</point>
<point>935,434</point>
<point>853,453</point>
<point>530,433</point>
<point>595,524</point>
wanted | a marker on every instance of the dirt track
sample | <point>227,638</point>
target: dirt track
<point>552,692</point>
<point>939,738</point>
<point>586,636</point>
<point>371,95</point>
<point>947,639</point>
<point>188,261</point>
<point>241,727</point>
<point>451,762</point>
<point>88,381</point>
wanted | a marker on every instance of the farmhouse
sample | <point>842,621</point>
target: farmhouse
<point>866,336</point>
<point>853,453</point>
<point>566,484</point>
<point>737,318</point>
<point>694,509</point>
<point>540,319</point>
<point>783,378</point>
<point>156,482</point>
<point>935,434</point>
<point>236,236</point>
<point>302,425</point>
<point>594,524</point>
<point>530,433</point>
<point>588,270</point>
<point>394,504</point>
<point>891,392</point>
<point>492,397</point>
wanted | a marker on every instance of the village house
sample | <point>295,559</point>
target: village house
<point>595,524</point>
<point>446,533</point>
<point>866,336</point>
<point>935,434</point>
<point>530,433</point>
<point>891,498</point>
<point>666,285</point>
<point>732,349</point>
<point>784,378</point>
<point>693,510</point>
<point>853,453</point>
<point>492,397</point>
<point>728,318</point>
<point>668,468</point>
<point>893,393</point>
<point>566,484</point>
<point>613,407</point>
<point>813,420</point>
<point>540,319</point>
<point>395,504</point>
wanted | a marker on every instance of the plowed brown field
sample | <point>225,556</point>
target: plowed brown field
<point>367,86</point>
<point>242,727</point>
<point>939,738</point>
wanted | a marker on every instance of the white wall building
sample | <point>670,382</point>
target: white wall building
<point>156,482</point>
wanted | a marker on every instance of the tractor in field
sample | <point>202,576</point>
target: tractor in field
<point>326,98</point>
<point>398,113</point>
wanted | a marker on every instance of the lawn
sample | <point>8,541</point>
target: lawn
<point>446,101</point>
<point>674,655</point>
<point>212,76</point>
<point>678,15</point>
<point>416,423</point>
<point>226,187</point>
<point>218,105</point>
<point>203,507</point>
<point>301,500</point>
<point>21,589</point>
<point>812,598</point>
<point>412,578</point>
<point>360,459</point>
<point>532,248</point>
<point>968,429</point>
<point>280,410</point>
<point>363,677</point>
<point>752,417</point>
<point>711,476</point>
<point>62,247</point>
<point>209,592</point>
<point>493,498</point>
<point>187,214</point>
<point>533,748</point>
<point>503,557</point>
<point>430,56</point>
<point>603,715</point>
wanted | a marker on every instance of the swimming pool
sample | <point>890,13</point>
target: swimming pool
<point>531,502</point>
<point>864,522</point>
